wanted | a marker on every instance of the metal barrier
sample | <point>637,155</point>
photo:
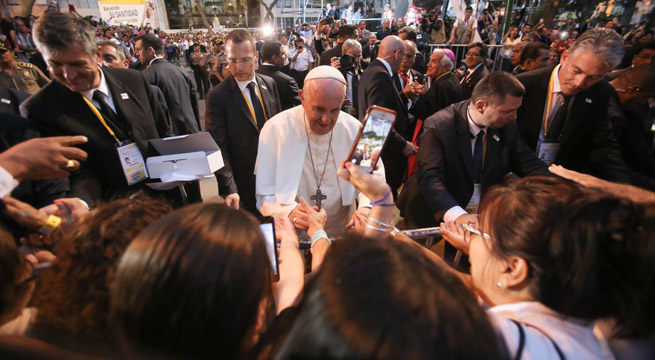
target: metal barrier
<point>425,236</point>
<point>494,54</point>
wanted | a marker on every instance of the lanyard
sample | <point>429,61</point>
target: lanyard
<point>442,75</point>
<point>252,111</point>
<point>549,101</point>
<point>99,116</point>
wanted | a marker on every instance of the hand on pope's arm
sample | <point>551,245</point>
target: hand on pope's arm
<point>291,267</point>
<point>44,158</point>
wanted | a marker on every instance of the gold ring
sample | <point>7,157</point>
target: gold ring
<point>70,165</point>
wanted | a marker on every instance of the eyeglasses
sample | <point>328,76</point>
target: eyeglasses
<point>240,61</point>
<point>469,231</point>
<point>472,54</point>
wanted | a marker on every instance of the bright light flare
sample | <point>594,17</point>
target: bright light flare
<point>267,30</point>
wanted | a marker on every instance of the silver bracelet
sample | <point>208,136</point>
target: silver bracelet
<point>380,222</point>
<point>376,228</point>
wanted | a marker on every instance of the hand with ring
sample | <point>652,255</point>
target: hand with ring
<point>299,218</point>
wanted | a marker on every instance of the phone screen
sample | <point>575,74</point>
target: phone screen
<point>268,229</point>
<point>372,137</point>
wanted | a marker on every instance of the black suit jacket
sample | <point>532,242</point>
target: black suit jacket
<point>443,92</point>
<point>230,122</point>
<point>468,84</point>
<point>286,86</point>
<point>367,53</point>
<point>377,87</point>
<point>382,33</point>
<point>587,143</point>
<point>179,89</point>
<point>57,111</point>
<point>327,55</point>
<point>445,165</point>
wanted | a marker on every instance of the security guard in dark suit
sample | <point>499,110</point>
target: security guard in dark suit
<point>19,75</point>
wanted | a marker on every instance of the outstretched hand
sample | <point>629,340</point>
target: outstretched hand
<point>372,186</point>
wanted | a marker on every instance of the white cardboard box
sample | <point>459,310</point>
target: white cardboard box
<point>191,155</point>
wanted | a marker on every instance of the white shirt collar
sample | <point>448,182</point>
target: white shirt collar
<point>156,57</point>
<point>102,87</point>
<point>386,65</point>
<point>556,87</point>
<point>475,68</point>
<point>473,127</point>
<point>243,84</point>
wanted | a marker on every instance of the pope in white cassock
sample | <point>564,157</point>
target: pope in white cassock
<point>300,150</point>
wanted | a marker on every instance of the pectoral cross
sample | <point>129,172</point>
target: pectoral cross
<point>318,198</point>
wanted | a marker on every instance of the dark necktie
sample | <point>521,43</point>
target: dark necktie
<point>256,106</point>
<point>559,118</point>
<point>478,153</point>
<point>109,115</point>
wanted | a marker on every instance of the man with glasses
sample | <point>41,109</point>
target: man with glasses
<point>476,69</point>
<point>236,112</point>
<point>564,116</point>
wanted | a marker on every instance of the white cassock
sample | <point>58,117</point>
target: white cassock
<point>284,167</point>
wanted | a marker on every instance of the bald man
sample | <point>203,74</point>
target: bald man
<point>378,87</point>
<point>299,153</point>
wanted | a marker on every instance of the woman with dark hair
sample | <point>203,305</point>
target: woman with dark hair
<point>386,300</point>
<point>73,300</point>
<point>196,285</point>
<point>16,287</point>
<point>373,298</point>
<point>552,258</point>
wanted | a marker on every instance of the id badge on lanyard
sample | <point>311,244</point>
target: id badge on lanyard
<point>134,168</point>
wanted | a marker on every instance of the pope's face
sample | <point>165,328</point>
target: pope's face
<point>74,67</point>
<point>322,99</point>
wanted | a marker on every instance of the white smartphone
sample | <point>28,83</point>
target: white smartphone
<point>372,137</point>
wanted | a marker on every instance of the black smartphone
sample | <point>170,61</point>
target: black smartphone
<point>372,137</point>
<point>268,229</point>
<point>328,20</point>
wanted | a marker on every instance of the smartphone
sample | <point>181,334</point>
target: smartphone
<point>328,20</point>
<point>268,229</point>
<point>372,137</point>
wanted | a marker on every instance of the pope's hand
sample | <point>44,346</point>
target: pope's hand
<point>315,218</point>
<point>299,218</point>
<point>232,201</point>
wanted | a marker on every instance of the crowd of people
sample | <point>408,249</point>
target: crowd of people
<point>532,152</point>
